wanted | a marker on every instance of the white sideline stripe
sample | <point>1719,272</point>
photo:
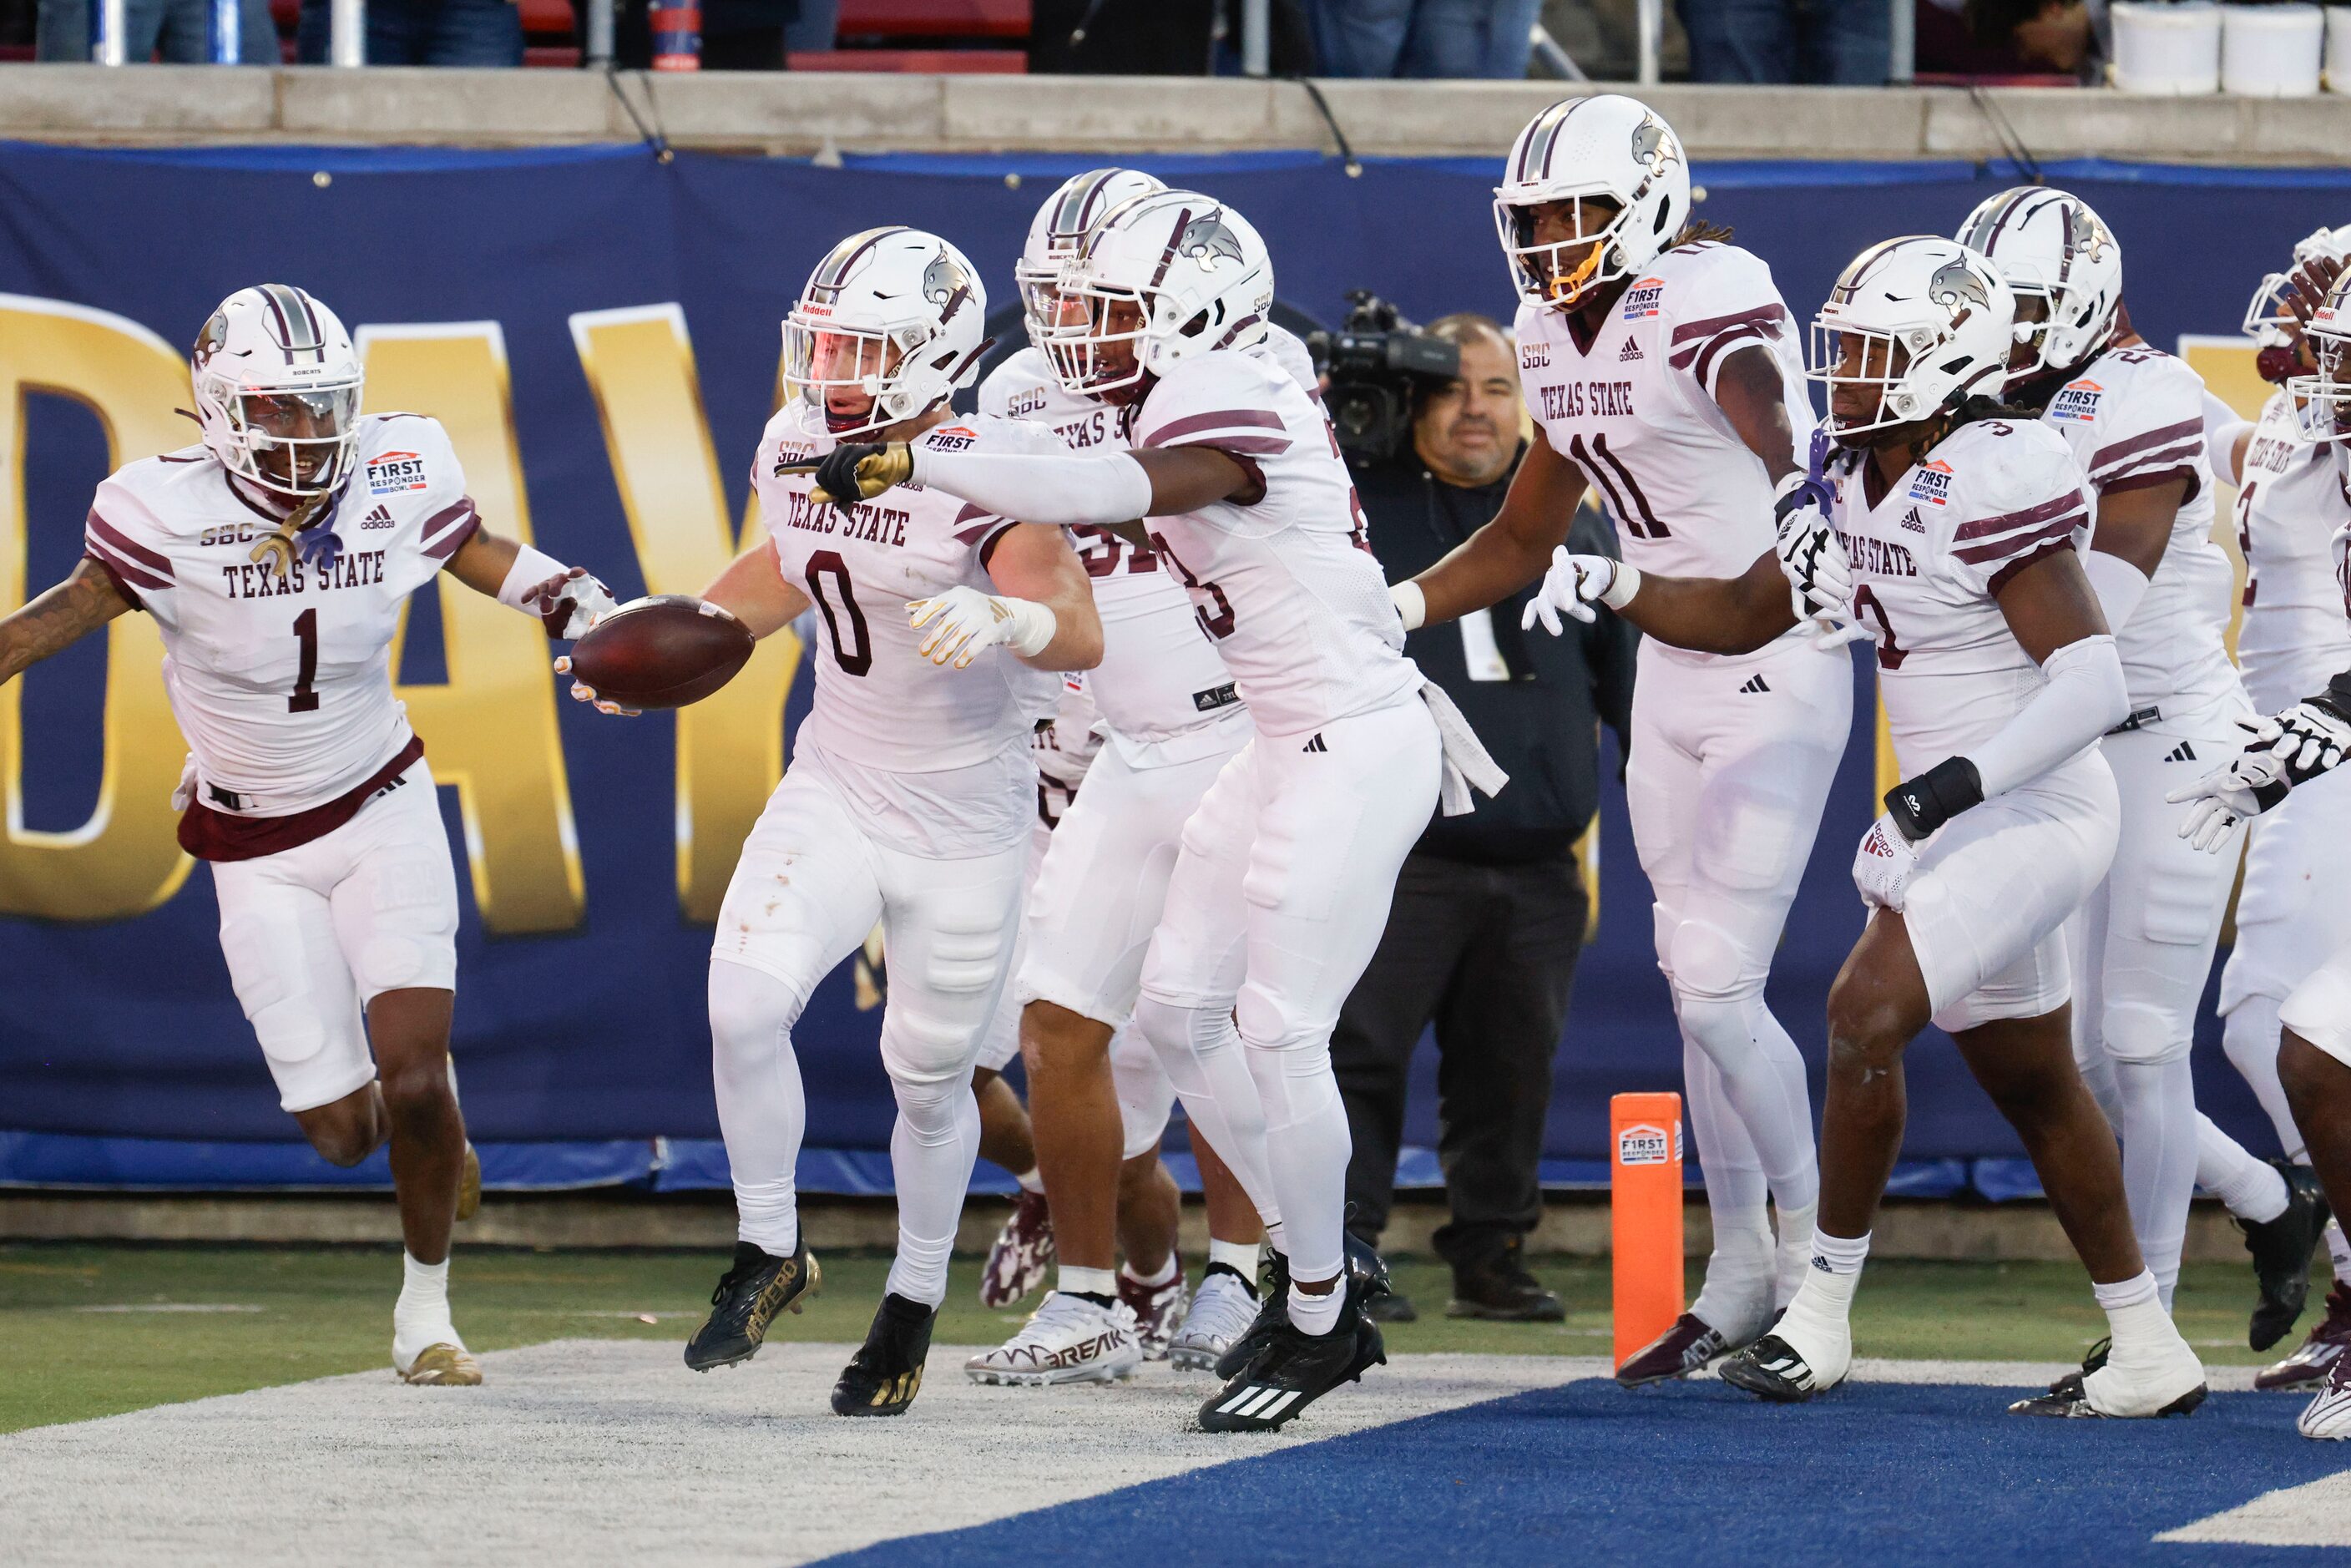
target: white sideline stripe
<point>596,1452</point>
<point>2318,1513</point>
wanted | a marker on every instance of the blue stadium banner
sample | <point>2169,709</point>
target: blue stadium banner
<point>599,332</point>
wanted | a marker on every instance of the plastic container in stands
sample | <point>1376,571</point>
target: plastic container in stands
<point>2270,51</point>
<point>2338,49</point>
<point>677,37</point>
<point>2171,49</point>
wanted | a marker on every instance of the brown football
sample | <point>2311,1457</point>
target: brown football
<point>664,650</point>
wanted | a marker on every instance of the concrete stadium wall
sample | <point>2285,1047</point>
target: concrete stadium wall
<point>798,115</point>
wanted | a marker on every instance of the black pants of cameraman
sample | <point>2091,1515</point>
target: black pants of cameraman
<point>1488,954</point>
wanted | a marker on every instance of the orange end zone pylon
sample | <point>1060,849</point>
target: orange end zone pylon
<point>1645,1216</point>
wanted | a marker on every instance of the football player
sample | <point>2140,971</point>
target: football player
<point>2294,910</point>
<point>1663,372</point>
<point>275,556</point>
<point>1283,881</point>
<point>912,785</point>
<point>2134,416</point>
<point>1950,527</point>
<point>2277,766</point>
<point>1170,719</point>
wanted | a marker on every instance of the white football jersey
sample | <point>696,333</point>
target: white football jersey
<point>1286,586</point>
<point>1065,747</point>
<point>879,703</point>
<point>1929,562</point>
<point>1634,408</point>
<point>2135,417</point>
<point>1161,687</point>
<point>2290,501</point>
<point>283,684</point>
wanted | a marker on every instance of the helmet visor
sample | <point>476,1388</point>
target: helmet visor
<point>846,372</point>
<point>298,440</point>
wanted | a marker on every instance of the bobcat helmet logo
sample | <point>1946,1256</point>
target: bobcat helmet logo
<point>1208,241</point>
<point>211,340</point>
<point>945,286</point>
<point>2084,235</point>
<point>1957,289</point>
<point>1653,146</point>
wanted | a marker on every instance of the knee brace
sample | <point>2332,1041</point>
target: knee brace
<point>2147,1036</point>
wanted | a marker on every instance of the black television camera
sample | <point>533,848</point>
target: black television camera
<point>1377,363</point>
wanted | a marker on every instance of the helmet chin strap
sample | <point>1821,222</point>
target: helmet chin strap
<point>1569,289</point>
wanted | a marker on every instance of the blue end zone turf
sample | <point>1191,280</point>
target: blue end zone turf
<point>1692,1476</point>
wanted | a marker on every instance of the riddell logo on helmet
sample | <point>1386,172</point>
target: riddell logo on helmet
<point>2077,401</point>
<point>394,473</point>
<point>1641,300</point>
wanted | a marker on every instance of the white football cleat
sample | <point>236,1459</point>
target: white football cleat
<point>2329,1416</point>
<point>1067,1339</point>
<point>1222,1311</point>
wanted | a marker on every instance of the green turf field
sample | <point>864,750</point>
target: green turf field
<point>89,1330</point>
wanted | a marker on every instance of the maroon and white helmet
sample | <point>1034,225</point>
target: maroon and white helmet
<point>275,373</point>
<point>2269,321</point>
<point>1920,322</point>
<point>1607,148</point>
<point>895,313</point>
<point>2324,400</point>
<point>1198,271</point>
<point>2051,242</point>
<point>1057,230</point>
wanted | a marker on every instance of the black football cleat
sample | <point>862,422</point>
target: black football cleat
<point>2076,1405</point>
<point>1772,1369</point>
<point>2070,1385</point>
<point>1365,1268</point>
<point>886,1373</point>
<point>1690,1346</point>
<point>2309,1365</point>
<point>1295,1369</point>
<point>749,1295</point>
<point>2282,1250</point>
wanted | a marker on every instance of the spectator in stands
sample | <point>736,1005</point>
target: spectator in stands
<point>421,32</point>
<point>2055,37</point>
<point>178,32</point>
<point>737,34</point>
<point>1840,43</point>
<point>1423,37</point>
<point>1490,910</point>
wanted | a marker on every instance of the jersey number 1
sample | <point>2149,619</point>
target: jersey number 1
<point>306,637</point>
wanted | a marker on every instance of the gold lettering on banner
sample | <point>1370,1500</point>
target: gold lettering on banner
<point>125,859</point>
<point>730,745</point>
<point>491,730</point>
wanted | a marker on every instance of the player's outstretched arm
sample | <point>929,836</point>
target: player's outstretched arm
<point>86,600</point>
<point>1708,615</point>
<point>1045,615</point>
<point>1063,489</point>
<point>566,598</point>
<point>1512,550</point>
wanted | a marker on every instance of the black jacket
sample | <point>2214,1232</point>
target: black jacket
<point>1541,725</point>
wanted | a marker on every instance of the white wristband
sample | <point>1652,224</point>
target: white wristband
<point>1033,626</point>
<point>1410,603</point>
<point>531,567</point>
<point>1623,586</point>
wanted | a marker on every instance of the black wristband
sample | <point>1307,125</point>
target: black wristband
<point>1920,806</point>
<point>2336,698</point>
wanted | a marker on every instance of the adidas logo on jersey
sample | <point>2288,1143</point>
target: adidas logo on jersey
<point>1755,683</point>
<point>1629,353</point>
<point>1913,521</point>
<point>379,518</point>
<point>1315,744</point>
<point>2183,752</point>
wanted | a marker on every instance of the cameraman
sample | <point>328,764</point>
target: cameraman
<point>1489,909</point>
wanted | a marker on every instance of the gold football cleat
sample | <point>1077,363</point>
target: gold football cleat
<point>469,1185</point>
<point>442,1365</point>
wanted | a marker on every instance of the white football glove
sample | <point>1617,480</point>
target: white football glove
<point>962,622</point>
<point>1820,578</point>
<point>569,604</point>
<point>1882,866</point>
<point>1574,585</point>
<point>2283,750</point>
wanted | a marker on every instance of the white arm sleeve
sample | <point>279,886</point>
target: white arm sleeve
<point>1060,490</point>
<point>2222,429</point>
<point>2118,585</point>
<point>2084,697</point>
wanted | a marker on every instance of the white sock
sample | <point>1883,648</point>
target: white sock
<point>2338,1248</point>
<point>1241,1257</point>
<point>2158,1130</point>
<point>2250,1035</point>
<point>1159,1277</point>
<point>1793,1253</point>
<point>1030,1180</point>
<point>2141,1324</point>
<point>2250,1188</point>
<point>1822,1309</point>
<point>1316,1314</point>
<point>1072,1280</point>
<point>421,1317</point>
<point>762,1110</point>
<point>932,1149</point>
<point>1307,1145</point>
